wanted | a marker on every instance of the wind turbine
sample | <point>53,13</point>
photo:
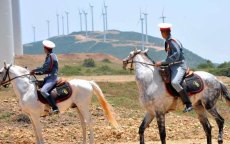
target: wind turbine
<point>80,20</point>
<point>142,29</point>
<point>48,28</point>
<point>63,25</point>
<point>163,17</point>
<point>57,23</point>
<point>86,31</point>
<point>34,31</point>
<point>67,20</point>
<point>106,16</point>
<point>104,24</point>
<point>146,27</point>
<point>91,6</point>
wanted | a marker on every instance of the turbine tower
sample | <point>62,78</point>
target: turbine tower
<point>80,20</point>
<point>104,24</point>
<point>63,25</point>
<point>163,17</point>
<point>106,16</point>
<point>48,28</point>
<point>142,31</point>
<point>146,27</point>
<point>6,32</point>
<point>86,31</point>
<point>57,24</point>
<point>67,21</point>
<point>18,48</point>
<point>34,32</point>
<point>91,7</point>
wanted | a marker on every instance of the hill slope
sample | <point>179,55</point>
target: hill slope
<point>118,44</point>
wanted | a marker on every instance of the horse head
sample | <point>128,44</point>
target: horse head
<point>6,73</point>
<point>131,56</point>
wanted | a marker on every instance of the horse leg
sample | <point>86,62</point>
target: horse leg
<point>87,121</point>
<point>161,126</point>
<point>220,123</point>
<point>83,125</point>
<point>204,121</point>
<point>35,120</point>
<point>145,123</point>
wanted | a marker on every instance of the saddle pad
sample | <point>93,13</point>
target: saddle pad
<point>192,84</point>
<point>60,93</point>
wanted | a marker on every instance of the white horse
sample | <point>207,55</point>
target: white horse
<point>82,92</point>
<point>157,101</point>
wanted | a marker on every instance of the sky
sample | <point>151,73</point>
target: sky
<point>203,26</point>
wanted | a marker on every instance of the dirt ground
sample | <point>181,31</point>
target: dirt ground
<point>65,128</point>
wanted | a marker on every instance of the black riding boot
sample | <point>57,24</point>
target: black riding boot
<point>52,103</point>
<point>185,99</point>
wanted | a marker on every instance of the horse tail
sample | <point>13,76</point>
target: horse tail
<point>225,93</point>
<point>106,107</point>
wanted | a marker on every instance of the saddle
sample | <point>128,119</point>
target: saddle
<point>60,92</point>
<point>191,82</point>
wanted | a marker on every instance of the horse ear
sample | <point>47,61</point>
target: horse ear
<point>146,50</point>
<point>5,64</point>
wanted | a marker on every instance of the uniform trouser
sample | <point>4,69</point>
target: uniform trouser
<point>177,74</point>
<point>49,84</point>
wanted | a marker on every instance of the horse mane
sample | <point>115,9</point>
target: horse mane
<point>22,70</point>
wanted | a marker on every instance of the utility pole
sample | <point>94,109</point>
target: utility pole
<point>57,23</point>
<point>48,28</point>
<point>92,17</point>
<point>86,31</point>
<point>67,21</point>
<point>80,20</point>
<point>63,25</point>
<point>34,30</point>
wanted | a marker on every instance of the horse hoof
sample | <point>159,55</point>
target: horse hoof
<point>220,141</point>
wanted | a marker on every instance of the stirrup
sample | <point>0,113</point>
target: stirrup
<point>188,109</point>
<point>55,111</point>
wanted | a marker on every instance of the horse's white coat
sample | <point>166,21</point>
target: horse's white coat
<point>83,90</point>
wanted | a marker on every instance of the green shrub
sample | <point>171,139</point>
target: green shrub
<point>106,61</point>
<point>89,63</point>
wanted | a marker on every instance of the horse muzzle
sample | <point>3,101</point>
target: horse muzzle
<point>125,63</point>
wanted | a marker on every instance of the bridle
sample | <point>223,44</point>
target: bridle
<point>5,82</point>
<point>125,62</point>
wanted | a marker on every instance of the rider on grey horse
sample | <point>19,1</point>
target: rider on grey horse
<point>50,67</point>
<point>175,59</point>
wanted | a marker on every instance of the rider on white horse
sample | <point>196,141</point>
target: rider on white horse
<point>50,67</point>
<point>175,59</point>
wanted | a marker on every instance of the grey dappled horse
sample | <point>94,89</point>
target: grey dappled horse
<point>157,101</point>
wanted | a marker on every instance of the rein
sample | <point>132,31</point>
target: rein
<point>6,83</point>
